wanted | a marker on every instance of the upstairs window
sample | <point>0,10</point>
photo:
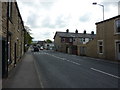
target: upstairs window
<point>10,10</point>
<point>117,26</point>
<point>63,39</point>
<point>83,39</point>
<point>70,40</point>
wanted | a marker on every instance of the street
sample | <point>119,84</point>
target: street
<point>61,70</point>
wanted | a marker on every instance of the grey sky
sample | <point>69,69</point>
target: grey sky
<point>45,17</point>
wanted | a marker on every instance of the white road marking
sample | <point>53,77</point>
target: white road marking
<point>105,73</point>
<point>64,59</point>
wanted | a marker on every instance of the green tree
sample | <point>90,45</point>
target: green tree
<point>28,37</point>
<point>48,41</point>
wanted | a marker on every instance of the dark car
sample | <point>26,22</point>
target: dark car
<point>36,49</point>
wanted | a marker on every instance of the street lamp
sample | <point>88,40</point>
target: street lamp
<point>94,3</point>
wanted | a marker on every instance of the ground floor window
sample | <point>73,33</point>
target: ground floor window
<point>117,50</point>
<point>100,47</point>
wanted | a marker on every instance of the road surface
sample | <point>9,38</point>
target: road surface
<point>61,70</point>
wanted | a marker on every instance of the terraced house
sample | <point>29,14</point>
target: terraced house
<point>69,42</point>
<point>107,42</point>
<point>11,36</point>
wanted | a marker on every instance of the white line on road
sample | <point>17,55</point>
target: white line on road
<point>105,73</point>
<point>65,59</point>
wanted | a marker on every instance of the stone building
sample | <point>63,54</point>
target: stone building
<point>12,35</point>
<point>106,45</point>
<point>68,42</point>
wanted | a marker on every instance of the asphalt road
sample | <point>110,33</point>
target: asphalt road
<point>61,70</point>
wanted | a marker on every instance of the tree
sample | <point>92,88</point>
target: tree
<point>48,41</point>
<point>28,38</point>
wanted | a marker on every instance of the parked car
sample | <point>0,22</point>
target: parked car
<point>36,49</point>
<point>41,48</point>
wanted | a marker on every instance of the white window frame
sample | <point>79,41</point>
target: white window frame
<point>10,8</point>
<point>70,40</point>
<point>99,46</point>
<point>116,57</point>
<point>84,39</point>
<point>115,29</point>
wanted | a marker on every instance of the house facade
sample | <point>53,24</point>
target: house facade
<point>107,42</point>
<point>68,42</point>
<point>12,36</point>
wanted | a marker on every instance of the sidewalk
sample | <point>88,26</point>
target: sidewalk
<point>24,75</point>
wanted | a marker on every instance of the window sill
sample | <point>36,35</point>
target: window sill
<point>100,53</point>
<point>117,33</point>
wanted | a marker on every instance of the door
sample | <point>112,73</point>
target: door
<point>4,60</point>
<point>15,55</point>
<point>118,51</point>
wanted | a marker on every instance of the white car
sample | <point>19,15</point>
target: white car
<point>41,48</point>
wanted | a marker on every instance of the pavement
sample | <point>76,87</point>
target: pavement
<point>24,75</point>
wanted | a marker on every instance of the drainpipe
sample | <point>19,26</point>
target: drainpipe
<point>6,60</point>
<point>24,39</point>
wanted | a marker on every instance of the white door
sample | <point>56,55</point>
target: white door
<point>118,51</point>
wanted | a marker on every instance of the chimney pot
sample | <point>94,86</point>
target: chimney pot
<point>67,30</point>
<point>92,32</point>
<point>84,31</point>
<point>76,31</point>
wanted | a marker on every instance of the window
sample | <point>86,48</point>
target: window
<point>70,40</point>
<point>83,39</point>
<point>10,10</point>
<point>74,39</point>
<point>119,47</point>
<point>117,26</point>
<point>80,39</point>
<point>63,39</point>
<point>100,46</point>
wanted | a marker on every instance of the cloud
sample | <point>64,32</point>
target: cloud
<point>85,18</point>
<point>109,3</point>
<point>47,5</point>
<point>58,22</point>
<point>32,20</point>
<point>47,16</point>
<point>62,21</point>
<point>47,23</point>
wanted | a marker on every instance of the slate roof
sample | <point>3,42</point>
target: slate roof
<point>74,35</point>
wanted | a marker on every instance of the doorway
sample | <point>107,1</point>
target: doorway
<point>118,50</point>
<point>15,54</point>
<point>4,60</point>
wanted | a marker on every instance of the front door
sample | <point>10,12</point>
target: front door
<point>15,55</point>
<point>118,51</point>
<point>4,60</point>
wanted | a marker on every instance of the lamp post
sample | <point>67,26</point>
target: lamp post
<point>100,5</point>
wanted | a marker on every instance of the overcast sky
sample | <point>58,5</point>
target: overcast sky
<point>45,17</point>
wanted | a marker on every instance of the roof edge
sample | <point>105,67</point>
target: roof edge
<point>107,19</point>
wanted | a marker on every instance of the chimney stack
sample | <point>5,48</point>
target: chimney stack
<point>76,31</point>
<point>84,31</point>
<point>67,30</point>
<point>92,32</point>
